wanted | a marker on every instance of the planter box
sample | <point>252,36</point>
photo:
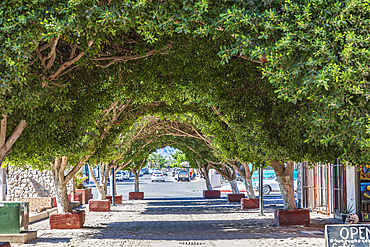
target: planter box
<point>78,197</point>
<point>250,203</point>
<point>86,195</point>
<point>4,244</point>
<point>73,220</point>
<point>292,217</point>
<point>99,205</point>
<point>235,197</point>
<point>117,199</point>
<point>136,195</point>
<point>209,194</point>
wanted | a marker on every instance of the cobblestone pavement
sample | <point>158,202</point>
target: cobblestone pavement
<point>180,222</point>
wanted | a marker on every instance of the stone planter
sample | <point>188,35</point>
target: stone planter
<point>73,220</point>
<point>235,197</point>
<point>99,205</point>
<point>86,195</point>
<point>136,195</point>
<point>292,217</point>
<point>210,194</point>
<point>117,199</point>
<point>249,203</point>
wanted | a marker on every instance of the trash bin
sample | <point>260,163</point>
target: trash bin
<point>14,217</point>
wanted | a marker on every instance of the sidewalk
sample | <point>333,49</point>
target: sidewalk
<point>182,222</point>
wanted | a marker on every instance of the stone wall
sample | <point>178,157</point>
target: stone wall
<point>23,183</point>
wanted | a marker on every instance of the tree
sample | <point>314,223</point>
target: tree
<point>179,157</point>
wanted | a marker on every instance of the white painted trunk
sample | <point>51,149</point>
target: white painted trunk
<point>249,188</point>
<point>234,186</point>
<point>248,181</point>
<point>286,192</point>
<point>102,193</point>
<point>115,181</point>
<point>208,183</point>
<point>137,189</point>
<point>62,198</point>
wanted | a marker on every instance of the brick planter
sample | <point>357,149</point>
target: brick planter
<point>235,197</point>
<point>292,217</point>
<point>136,195</point>
<point>99,205</point>
<point>86,195</point>
<point>73,220</point>
<point>117,199</point>
<point>209,194</point>
<point>249,203</point>
<point>77,197</point>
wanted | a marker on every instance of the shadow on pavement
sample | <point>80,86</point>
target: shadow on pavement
<point>49,240</point>
<point>201,230</point>
<point>193,206</point>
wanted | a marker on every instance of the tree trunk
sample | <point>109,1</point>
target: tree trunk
<point>115,181</point>
<point>136,181</point>
<point>102,185</point>
<point>234,186</point>
<point>248,182</point>
<point>285,184</point>
<point>230,175</point>
<point>247,176</point>
<point>58,168</point>
<point>62,198</point>
<point>102,192</point>
<point>204,171</point>
<point>6,144</point>
<point>208,182</point>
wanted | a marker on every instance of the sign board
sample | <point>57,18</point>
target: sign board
<point>355,235</point>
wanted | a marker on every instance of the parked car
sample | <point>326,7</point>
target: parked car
<point>122,175</point>
<point>183,175</point>
<point>157,176</point>
<point>176,173</point>
<point>164,171</point>
<point>271,185</point>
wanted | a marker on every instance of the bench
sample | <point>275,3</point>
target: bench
<point>38,204</point>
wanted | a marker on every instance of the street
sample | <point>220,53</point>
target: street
<point>173,189</point>
<point>168,189</point>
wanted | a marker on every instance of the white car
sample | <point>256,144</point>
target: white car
<point>271,185</point>
<point>157,176</point>
<point>122,175</point>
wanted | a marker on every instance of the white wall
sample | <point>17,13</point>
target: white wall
<point>2,184</point>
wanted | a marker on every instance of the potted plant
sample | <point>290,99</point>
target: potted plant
<point>346,211</point>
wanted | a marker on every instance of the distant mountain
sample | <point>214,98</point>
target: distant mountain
<point>167,151</point>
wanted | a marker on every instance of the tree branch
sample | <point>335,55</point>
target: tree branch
<point>4,124</point>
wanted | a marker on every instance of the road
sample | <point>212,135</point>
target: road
<point>173,189</point>
<point>168,189</point>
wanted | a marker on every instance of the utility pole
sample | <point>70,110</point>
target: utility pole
<point>260,174</point>
<point>112,186</point>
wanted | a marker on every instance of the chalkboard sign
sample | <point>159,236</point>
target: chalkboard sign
<point>347,235</point>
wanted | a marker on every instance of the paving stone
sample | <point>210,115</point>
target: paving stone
<point>179,223</point>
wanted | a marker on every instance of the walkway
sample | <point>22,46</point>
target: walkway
<point>180,222</point>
